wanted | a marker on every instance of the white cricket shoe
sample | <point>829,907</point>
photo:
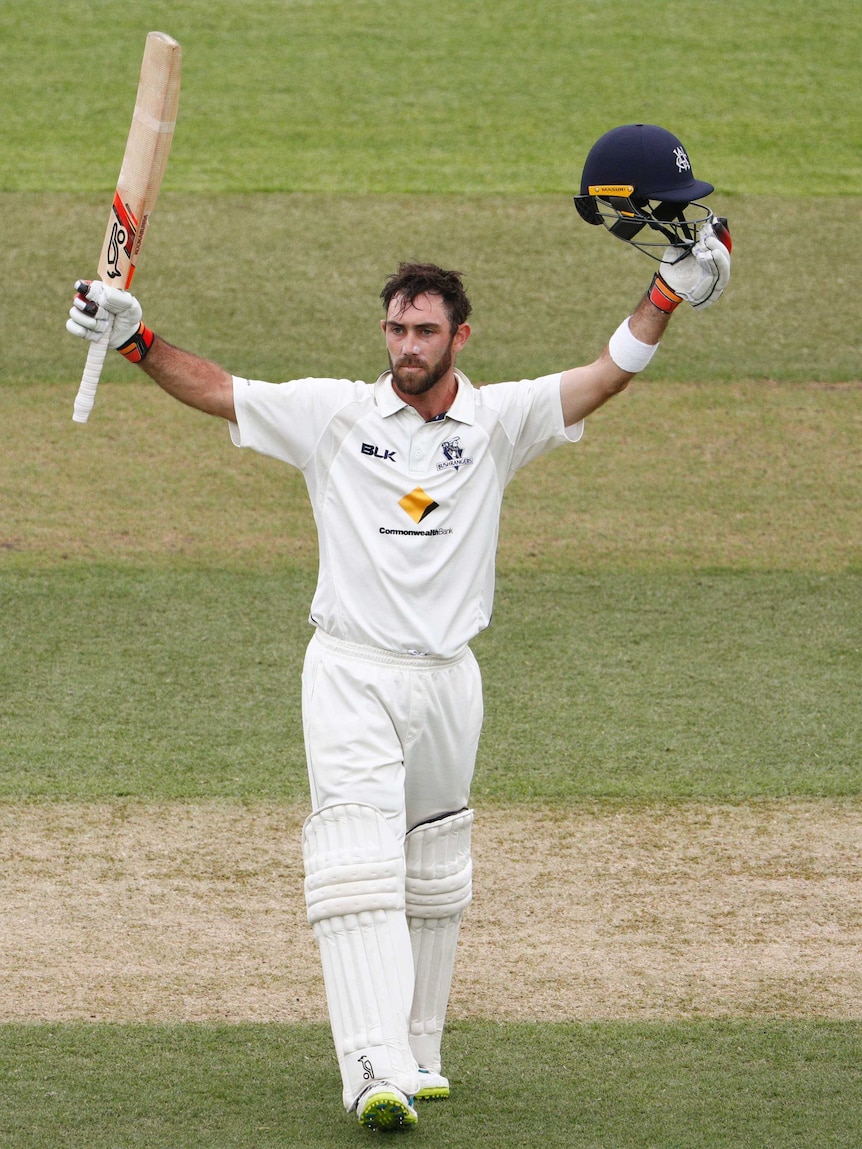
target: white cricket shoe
<point>432,1086</point>
<point>385,1108</point>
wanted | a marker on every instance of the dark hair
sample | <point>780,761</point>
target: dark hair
<point>412,279</point>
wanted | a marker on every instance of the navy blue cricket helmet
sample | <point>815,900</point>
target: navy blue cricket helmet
<point>637,176</point>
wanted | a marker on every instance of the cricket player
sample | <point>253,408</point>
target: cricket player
<point>406,477</point>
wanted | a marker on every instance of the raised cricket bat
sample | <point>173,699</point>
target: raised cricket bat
<point>143,167</point>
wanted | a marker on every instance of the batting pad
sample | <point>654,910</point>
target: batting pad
<point>354,890</point>
<point>438,890</point>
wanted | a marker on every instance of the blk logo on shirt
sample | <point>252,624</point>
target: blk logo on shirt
<point>376,453</point>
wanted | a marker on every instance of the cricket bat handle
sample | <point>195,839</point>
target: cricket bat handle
<point>86,397</point>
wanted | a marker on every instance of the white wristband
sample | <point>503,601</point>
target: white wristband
<point>629,353</point>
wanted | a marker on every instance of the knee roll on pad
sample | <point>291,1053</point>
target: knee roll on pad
<point>440,867</point>
<point>353,862</point>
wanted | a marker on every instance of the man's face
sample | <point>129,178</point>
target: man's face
<point>420,342</point>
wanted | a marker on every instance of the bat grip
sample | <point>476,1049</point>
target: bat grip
<point>86,397</point>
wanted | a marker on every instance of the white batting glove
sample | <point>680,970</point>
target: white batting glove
<point>93,307</point>
<point>700,274</point>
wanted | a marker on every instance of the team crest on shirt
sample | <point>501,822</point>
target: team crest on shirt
<point>453,455</point>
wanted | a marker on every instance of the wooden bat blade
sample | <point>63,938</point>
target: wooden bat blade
<point>144,161</point>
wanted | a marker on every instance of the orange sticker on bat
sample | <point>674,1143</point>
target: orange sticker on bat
<point>124,227</point>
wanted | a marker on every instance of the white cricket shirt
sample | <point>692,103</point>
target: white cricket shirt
<point>407,511</point>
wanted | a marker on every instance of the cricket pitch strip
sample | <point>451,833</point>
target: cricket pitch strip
<point>136,912</point>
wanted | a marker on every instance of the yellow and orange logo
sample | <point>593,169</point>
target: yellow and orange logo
<point>418,504</point>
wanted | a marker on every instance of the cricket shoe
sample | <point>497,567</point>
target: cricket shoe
<point>432,1086</point>
<point>384,1108</point>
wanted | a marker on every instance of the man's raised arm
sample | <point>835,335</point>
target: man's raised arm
<point>631,347</point>
<point>197,382</point>
<point>697,276</point>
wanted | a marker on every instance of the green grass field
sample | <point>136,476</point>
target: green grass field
<point>311,95</point>
<point>679,603</point>
<point>639,1086</point>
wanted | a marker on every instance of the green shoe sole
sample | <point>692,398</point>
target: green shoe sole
<point>432,1093</point>
<point>387,1113</point>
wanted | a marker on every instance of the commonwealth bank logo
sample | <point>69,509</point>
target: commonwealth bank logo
<point>418,504</point>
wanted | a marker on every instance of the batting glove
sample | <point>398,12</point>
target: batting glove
<point>697,275</point>
<point>98,308</point>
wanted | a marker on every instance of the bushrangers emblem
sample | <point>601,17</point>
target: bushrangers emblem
<point>453,453</point>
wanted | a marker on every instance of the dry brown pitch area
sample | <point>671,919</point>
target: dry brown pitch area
<point>134,912</point>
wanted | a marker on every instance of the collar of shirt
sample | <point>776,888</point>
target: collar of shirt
<point>463,407</point>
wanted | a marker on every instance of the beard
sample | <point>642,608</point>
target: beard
<point>417,382</point>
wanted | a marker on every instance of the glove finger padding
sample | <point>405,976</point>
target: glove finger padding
<point>88,327</point>
<point>700,275</point>
<point>110,304</point>
<point>719,265</point>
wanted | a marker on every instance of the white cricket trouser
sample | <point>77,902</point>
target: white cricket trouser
<point>394,731</point>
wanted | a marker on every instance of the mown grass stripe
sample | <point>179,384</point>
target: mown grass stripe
<point>684,1085</point>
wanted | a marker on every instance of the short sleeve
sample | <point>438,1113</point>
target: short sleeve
<point>287,420</point>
